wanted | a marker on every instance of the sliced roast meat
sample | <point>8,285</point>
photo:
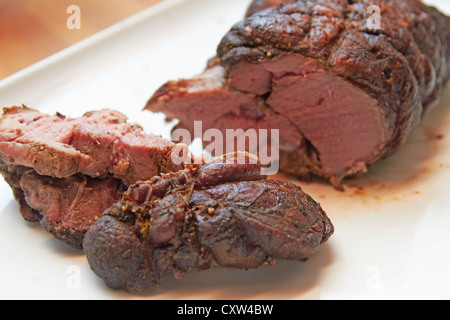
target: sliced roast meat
<point>98,144</point>
<point>190,220</point>
<point>342,94</point>
<point>69,206</point>
<point>12,175</point>
<point>66,172</point>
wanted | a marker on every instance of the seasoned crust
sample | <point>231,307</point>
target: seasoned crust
<point>280,57</point>
<point>403,65</point>
<point>191,220</point>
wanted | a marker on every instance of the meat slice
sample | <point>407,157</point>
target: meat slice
<point>66,172</point>
<point>343,95</point>
<point>69,206</point>
<point>191,220</point>
<point>98,144</point>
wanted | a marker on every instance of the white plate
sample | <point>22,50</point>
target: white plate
<point>391,237</point>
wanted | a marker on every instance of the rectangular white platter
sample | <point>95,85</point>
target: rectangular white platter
<point>392,226</point>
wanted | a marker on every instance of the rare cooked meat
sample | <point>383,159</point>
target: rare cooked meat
<point>222,213</point>
<point>66,172</point>
<point>342,94</point>
<point>98,144</point>
<point>67,207</point>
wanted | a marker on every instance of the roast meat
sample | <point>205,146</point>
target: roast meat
<point>66,172</point>
<point>342,92</point>
<point>222,213</point>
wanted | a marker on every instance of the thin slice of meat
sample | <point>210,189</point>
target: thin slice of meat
<point>342,94</point>
<point>69,206</point>
<point>98,144</point>
<point>191,220</point>
<point>66,172</point>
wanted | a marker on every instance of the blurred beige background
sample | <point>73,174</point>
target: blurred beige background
<point>31,30</point>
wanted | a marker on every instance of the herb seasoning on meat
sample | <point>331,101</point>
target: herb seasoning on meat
<point>222,213</point>
<point>342,94</point>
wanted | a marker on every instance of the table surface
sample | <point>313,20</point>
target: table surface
<point>31,30</point>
